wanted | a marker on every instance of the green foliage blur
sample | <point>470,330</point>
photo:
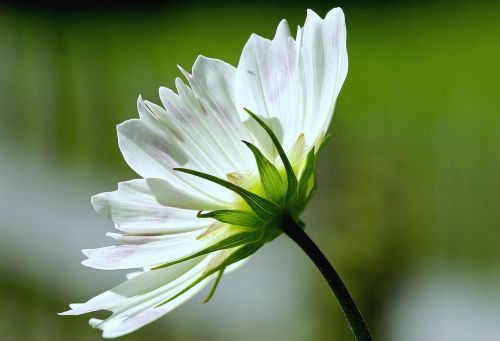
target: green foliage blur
<point>409,181</point>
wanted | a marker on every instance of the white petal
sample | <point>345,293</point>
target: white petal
<point>150,313</point>
<point>206,117</point>
<point>153,146</point>
<point>268,84</point>
<point>134,302</point>
<point>144,251</point>
<point>323,64</point>
<point>133,289</point>
<point>213,83</point>
<point>148,206</point>
<point>195,136</point>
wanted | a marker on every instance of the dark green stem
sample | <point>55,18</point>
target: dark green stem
<point>351,311</point>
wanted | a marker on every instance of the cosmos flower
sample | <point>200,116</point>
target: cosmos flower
<point>224,162</point>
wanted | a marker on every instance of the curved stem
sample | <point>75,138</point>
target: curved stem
<point>351,311</point>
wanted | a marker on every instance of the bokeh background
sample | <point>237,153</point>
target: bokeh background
<point>407,205</point>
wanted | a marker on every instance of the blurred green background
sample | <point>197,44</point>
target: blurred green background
<point>407,204</point>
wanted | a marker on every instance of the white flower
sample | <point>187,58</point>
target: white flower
<point>245,189</point>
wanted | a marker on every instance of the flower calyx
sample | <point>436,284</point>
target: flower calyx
<point>239,232</point>
<point>283,192</point>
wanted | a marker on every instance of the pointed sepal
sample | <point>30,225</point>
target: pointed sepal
<point>290,174</point>
<point>273,183</point>
<point>221,262</point>
<point>214,286</point>
<point>233,217</point>
<point>264,208</point>
<point>238,239</point>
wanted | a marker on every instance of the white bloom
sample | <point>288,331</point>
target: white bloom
<point>291,85</point>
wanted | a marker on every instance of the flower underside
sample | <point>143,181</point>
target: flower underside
<point>258,218</point>
<point>244,180</point>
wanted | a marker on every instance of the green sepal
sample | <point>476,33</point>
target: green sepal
<point>227,243</point>
<point>264,208</point>
<point>239,254</point>
<point>290,174</point>
<point>269,176</point>
<point>233,217</point>
<point>214,286</point>
<point>307,173</point>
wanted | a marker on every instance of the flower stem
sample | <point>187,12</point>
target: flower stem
<point>351,311</point>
